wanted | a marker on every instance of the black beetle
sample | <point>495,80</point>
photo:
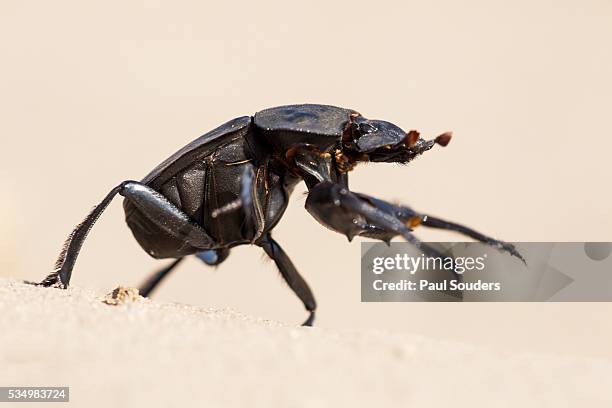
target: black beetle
<point>231,186</point>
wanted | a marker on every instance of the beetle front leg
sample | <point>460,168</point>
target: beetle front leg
<point>348,213</point>
<point>359,214</point>
<point>413,219</point>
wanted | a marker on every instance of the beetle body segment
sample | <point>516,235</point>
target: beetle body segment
<point>204,176</point>
<point>286,127</point>
<point>201,147</point>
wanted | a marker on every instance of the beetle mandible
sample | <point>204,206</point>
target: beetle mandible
<point>231,186</point>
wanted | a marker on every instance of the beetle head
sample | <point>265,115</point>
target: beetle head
<point>380,141</point>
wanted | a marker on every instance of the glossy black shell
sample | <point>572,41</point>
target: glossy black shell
<point>199,148</point>
<point>291,125</point>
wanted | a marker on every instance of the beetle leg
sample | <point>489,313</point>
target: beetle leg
<point>291,275</point>
<point>151,283</point>
<point>359,214</point>
<point>165,215</point>
<point>210,257</point>
<point>245,200</point>
<point>152,204</point>
<point>72,245</point>
<point>213,257</point>
<point>434,222</point>
<point>343,211</point>
<point>414,219</point>
<point>251,208</point>
<point>386,235</point>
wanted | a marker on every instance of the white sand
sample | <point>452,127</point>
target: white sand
<point>148,354</point>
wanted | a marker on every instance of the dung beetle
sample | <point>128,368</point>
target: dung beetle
<point>231,186</point>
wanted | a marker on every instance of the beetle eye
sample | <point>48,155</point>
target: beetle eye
<point>365,128</point>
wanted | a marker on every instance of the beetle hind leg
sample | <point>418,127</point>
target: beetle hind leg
<point>152,204</point>
<point>70,250</point>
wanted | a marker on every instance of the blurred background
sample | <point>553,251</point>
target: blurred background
<point>98,92</point>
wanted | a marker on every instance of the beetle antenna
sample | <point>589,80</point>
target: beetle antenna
<point>444,139</point>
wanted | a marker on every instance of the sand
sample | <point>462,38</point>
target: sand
<point>125,351</point>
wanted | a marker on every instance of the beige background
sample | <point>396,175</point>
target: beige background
<point>92,94</point>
